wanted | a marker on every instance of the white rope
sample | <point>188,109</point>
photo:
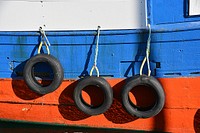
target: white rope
<point>44,35</point>
<point>96,54</point>
<point>40,46</point>
<point>147,54</point>
<point>43,41</point>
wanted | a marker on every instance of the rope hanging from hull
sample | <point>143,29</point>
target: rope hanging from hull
<point>98,83</point>
<point>96,54</point>
<point>146,59</point>
<point>143,80</point>
<point>51,61</point>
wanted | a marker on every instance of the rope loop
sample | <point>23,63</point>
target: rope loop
<point>96,54</point>
<point>146,59</point>
<point>97,71</point>
<point>44,41</point>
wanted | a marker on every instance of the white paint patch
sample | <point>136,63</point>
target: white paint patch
<point>26,15</point>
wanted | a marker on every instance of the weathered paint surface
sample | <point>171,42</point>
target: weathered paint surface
<point>174,60</point>
<point>120,51</point>
<point>174,45</point>
<point>180,114</point>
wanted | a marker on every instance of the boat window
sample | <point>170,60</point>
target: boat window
<point>194,7</point>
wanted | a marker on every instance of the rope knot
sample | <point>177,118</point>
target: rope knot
<point>44,41</point>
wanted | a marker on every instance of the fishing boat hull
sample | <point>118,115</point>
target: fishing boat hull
<point>181,112</point>
<point>173,35</point>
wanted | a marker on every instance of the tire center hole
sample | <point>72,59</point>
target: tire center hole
<point>42,74</point>
<point>143,97</point>
<point>93,96</point>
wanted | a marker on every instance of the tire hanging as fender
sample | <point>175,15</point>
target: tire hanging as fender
<point>145,81</point>
<point>30,79</point>
<point>101,84</point>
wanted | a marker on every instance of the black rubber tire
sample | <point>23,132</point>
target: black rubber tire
<point>146,81</point>
<point>30,79</point>
<point>95,81</point>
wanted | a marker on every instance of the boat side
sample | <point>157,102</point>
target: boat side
<point>173,59</point>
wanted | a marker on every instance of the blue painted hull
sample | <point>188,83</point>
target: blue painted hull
<point>174,51</point>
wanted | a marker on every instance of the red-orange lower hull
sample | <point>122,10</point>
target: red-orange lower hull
<point>180,114</point>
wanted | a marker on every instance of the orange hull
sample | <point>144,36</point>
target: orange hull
<point>180,114</point>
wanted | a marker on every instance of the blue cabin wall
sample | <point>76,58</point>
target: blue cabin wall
<point>174,46</point>
<point>170,12</point>
<point>175,39</point>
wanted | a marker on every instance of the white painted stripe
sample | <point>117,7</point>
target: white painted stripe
<point>21,15</point>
